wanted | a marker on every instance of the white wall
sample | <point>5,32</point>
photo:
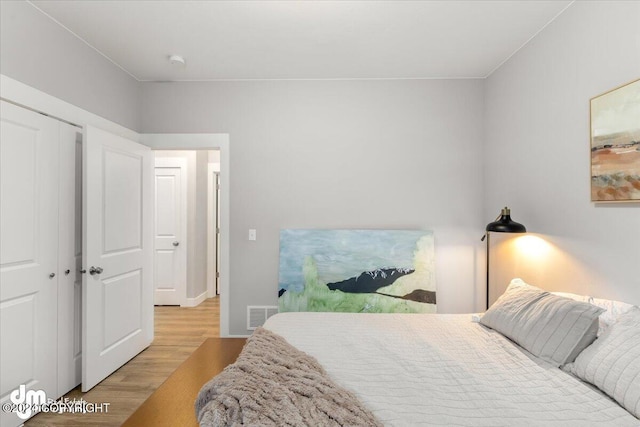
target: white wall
<point>435,154</point>
<point>537,152</point>
<point>339,154</point>
<point>38,52</point>
<point>214,157</point>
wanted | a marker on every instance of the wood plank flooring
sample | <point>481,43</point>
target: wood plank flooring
<point>178,333</point>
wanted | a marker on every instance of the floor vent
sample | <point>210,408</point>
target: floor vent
<point>258,314</point>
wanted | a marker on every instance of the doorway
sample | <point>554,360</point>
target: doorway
<point>208,141</point>
<point>186,251</point>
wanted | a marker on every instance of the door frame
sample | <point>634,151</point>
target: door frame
<point>181,163</point>
<point>207,141</point>
<point>213,169</point>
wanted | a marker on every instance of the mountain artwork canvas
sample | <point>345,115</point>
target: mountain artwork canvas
<point>361,271</point>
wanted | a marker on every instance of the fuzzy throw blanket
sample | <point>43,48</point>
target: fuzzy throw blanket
<point>274,384</point>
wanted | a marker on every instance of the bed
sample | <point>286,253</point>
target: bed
<point>441,369</point>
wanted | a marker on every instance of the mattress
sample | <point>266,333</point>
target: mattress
<point>426,369</point>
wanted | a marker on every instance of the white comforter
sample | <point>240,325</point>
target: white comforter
<point>424,369</point>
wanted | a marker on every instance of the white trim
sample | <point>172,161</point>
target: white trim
<point>193,302</point>
<point>22,94</point>
<point>211,230</point>
<point>81,39</point>
<point>202,141</point>
<point>528,40</point>
<point>186,141</point>
<point>316,79</point>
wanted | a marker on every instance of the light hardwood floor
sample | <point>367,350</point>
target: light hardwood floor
<point>178,333</point>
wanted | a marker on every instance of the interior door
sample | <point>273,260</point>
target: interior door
<point>28,254</point>
<point>170,231</point>
<point>117,289</point>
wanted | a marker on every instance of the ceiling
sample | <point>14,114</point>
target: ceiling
<point>238,40</point>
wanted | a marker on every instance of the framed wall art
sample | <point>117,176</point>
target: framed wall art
<point>615,145</point>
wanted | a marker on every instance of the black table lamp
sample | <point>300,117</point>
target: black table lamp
<point>502,224</point>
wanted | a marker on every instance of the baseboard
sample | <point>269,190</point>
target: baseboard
<point>192,302</point>
<point>211,293</point>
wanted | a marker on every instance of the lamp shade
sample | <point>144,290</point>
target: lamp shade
<point>505,224</point>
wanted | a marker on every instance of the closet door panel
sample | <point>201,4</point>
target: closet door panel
<point>70,259</point>
<point>28,256</point>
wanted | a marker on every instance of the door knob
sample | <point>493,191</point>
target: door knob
<point>176,243</point>
<point>95,270</point>
<point>66,272</point>
<point>52,275</point>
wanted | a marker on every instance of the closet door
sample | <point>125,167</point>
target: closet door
<point>117,291</point>
<point>70,259</point>
<point>28,255</point>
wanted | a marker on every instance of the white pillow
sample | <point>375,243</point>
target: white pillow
<point>554,328</point>
<point>575,297</point>
<point>613,310</point>
<point>612,362</point>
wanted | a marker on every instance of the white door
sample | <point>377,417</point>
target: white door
<point>117,289</point>
<point>70,259</point>
<point>170,287</point>
<point>28,254</point>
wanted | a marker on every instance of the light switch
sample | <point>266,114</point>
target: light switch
<point>252,234</point>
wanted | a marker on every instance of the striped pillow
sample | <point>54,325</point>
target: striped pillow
<point>554,328</point>
<point>612,362</point>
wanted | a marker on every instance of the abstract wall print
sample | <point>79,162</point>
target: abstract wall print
<point>615,144</point>
<point>369,271</point>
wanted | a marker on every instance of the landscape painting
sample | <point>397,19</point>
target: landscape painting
<point>361,271</point>
<point>615,144</point>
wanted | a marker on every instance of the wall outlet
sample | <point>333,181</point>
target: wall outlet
<point>252,234</point>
